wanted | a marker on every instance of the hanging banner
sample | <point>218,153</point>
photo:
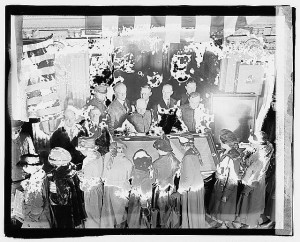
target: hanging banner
<point>173,27</point>
<point>202,29</point>
<point>229,25</point>
<point>110,25</point>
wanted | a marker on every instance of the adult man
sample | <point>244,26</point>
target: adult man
<point>92,124</point>
<point>99,99</point>
<point>141,119</point>
<point>192,112</point>
<point>119,108</point>
<point>166,101</point>
<point>190,87</point>
<point>146,94</point>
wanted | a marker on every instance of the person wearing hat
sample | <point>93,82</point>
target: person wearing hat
<point>116,175</point>
<point>36,209</point>
<point>164,172</point>
<point>66,136</point>
<point>191,185</point>
<point>119,109</point>
<point>224,196</point>
<point>66,198</point>
<point>252,200</point>
<point>140,195</point>
<point>99,99</point>
<point>91,183</point>
<point>21,144</point>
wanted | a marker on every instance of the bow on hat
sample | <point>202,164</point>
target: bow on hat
<point>59,157</point>
<point>30,159</point>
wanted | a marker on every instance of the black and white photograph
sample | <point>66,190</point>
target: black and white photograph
<point>148,120</point>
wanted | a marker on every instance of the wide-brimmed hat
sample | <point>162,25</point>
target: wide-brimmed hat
<point>162,144</point>
<point>259,137</point>
<point>30,159</point>
<point>59,157</point>
<point>142,160</point>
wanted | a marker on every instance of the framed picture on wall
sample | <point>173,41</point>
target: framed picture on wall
<point>236,112</point>
<point>249,78</point>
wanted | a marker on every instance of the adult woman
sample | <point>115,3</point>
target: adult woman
<point>65,197</point>
<point>66,136</point>
<point>191,185</point>
<point>252,201</point>
<point>117,171</point>
<point>224,197</point>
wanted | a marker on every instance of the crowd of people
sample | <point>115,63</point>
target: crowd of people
<point>86,180</point>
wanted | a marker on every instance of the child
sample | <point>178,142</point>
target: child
<point>224,196</point>
<point>91,182</point>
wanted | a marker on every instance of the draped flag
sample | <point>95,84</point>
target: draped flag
<point>41,90</point>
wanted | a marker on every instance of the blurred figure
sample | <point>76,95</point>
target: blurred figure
<point>91,181</point>
<point>117,171</point>
<point>36,203</point>
<point>142,118</point>
<point>21,144</point>
<point>252,200</point>
<point>191,185</point>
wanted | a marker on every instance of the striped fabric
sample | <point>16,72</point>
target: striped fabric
<point>42,97</point>
<point>210,26</point>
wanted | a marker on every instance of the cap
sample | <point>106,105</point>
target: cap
<point>102,88</point>
<point>162,144</point>
<point>142,160</point>
<point>59,156</point>
<point>30,159</point>
<point>259,137</point>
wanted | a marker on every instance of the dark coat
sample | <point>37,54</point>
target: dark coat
<point>162,104</point>
<point>188,117</point>
<point>117,114</point>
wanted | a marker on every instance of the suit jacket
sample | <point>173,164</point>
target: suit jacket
<point>140,122</point>
<point>184,99</point>
<point>162,104</point>
<point>117,114</point>
<point>188,117</point>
